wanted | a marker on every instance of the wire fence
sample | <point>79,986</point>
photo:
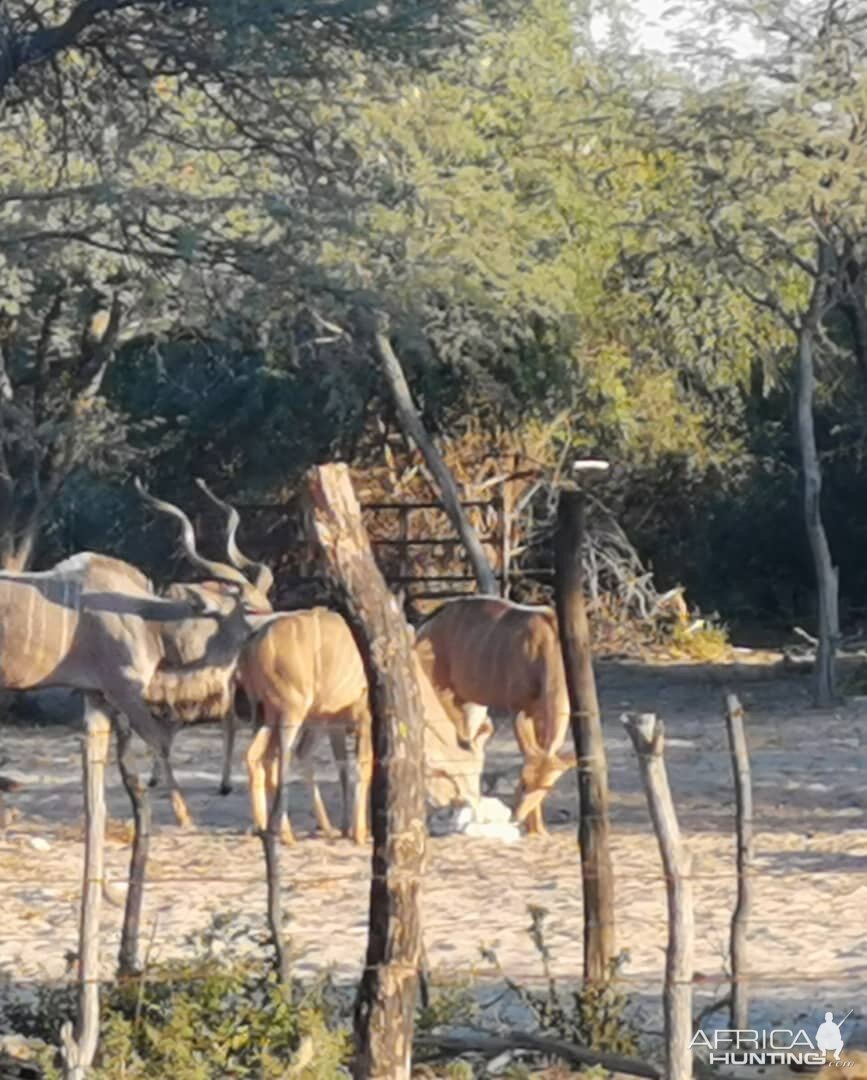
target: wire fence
<point>806,936</point>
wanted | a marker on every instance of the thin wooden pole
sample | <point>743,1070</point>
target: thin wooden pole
<point>504,510</point>
<point>413,428</point>
<point>79,1045</point>
<point>740,995</point>
<point>647,734</point>
<point>141,810</point>
<point>593,828</point>
<point>271,845</point>
<point>386,1000</point>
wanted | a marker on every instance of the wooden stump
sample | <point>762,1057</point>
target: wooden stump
<point>593,831</point>
<point>387,994</point>
<point>79,1047</point>
<point>740,995</point>
<point>647,736</point>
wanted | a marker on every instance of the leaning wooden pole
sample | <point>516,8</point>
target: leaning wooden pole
<point>387,994</point>
<point>740,995</point>
<point>413,428</point>
<point>79,1045</point>
<point>593,827</point>
<point>647,734</point>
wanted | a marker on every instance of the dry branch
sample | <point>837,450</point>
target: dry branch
<point>271,845</point>
<point>413,427</point>
<point>79,1047</point>
<point>141,809</point>
<point>647,735</point>
<point>489,1045</point>
<point>740,993</point>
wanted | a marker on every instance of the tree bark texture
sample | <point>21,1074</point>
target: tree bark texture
<point>413,428</point>
<point>387,994</point>
<point>824,679</point>
<point>647,735</point>
<point>593,826</point>
<point>79,1047</point>
<point>740,996</point>
<point>141,812</point>
<point>272,848</point>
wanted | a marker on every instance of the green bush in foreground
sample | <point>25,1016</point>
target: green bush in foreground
<point>202,1021</point>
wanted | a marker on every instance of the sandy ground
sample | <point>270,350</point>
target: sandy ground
<point>808,937</point>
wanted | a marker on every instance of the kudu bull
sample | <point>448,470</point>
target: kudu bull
<point>211,697</point>
<point>93,623</point>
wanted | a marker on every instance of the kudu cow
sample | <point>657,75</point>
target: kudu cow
<point>304,668</point>
<point>211,696</point>
<point>481,650</point>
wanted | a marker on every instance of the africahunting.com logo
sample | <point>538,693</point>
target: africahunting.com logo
<point>779,1046</point>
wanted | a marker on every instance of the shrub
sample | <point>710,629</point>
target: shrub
<point>200,1020</point>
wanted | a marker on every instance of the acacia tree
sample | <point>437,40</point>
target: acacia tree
<point>164,170</point>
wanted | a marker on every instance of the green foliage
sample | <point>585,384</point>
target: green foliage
<point>594,1016</point>
<point>198,1020</point>
<point>451,1003</point>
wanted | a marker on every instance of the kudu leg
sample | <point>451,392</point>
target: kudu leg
<point>361,828</point>
<point>277,755</point>
<point>141,813</point>
<point>525,734</point>
<point>304,755</point>
<point>339,749</point>
<point>228,730</point>
<point>256,777</point>
<point>179,804</point>
<point>79,1044</point>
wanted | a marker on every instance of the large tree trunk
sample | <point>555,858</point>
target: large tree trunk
<point>387,995</point>
<point>824,684</point>
<point>593,833</point>
<point>414,429</point>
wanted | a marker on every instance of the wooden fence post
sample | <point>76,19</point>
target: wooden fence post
<point>647,734</point>
<point>271,845</point>
<point>740,994</point>
<point>79,1047</point>
<point>593,831</point>
<point>387,995</point>
<point>141,809</point>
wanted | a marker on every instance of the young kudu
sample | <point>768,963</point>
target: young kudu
<point>306,672</point>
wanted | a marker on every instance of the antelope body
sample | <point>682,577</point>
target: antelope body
<point>487,651</point>
<point>210,697</point>
<point>93,623</point>
<point>304,667</point>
